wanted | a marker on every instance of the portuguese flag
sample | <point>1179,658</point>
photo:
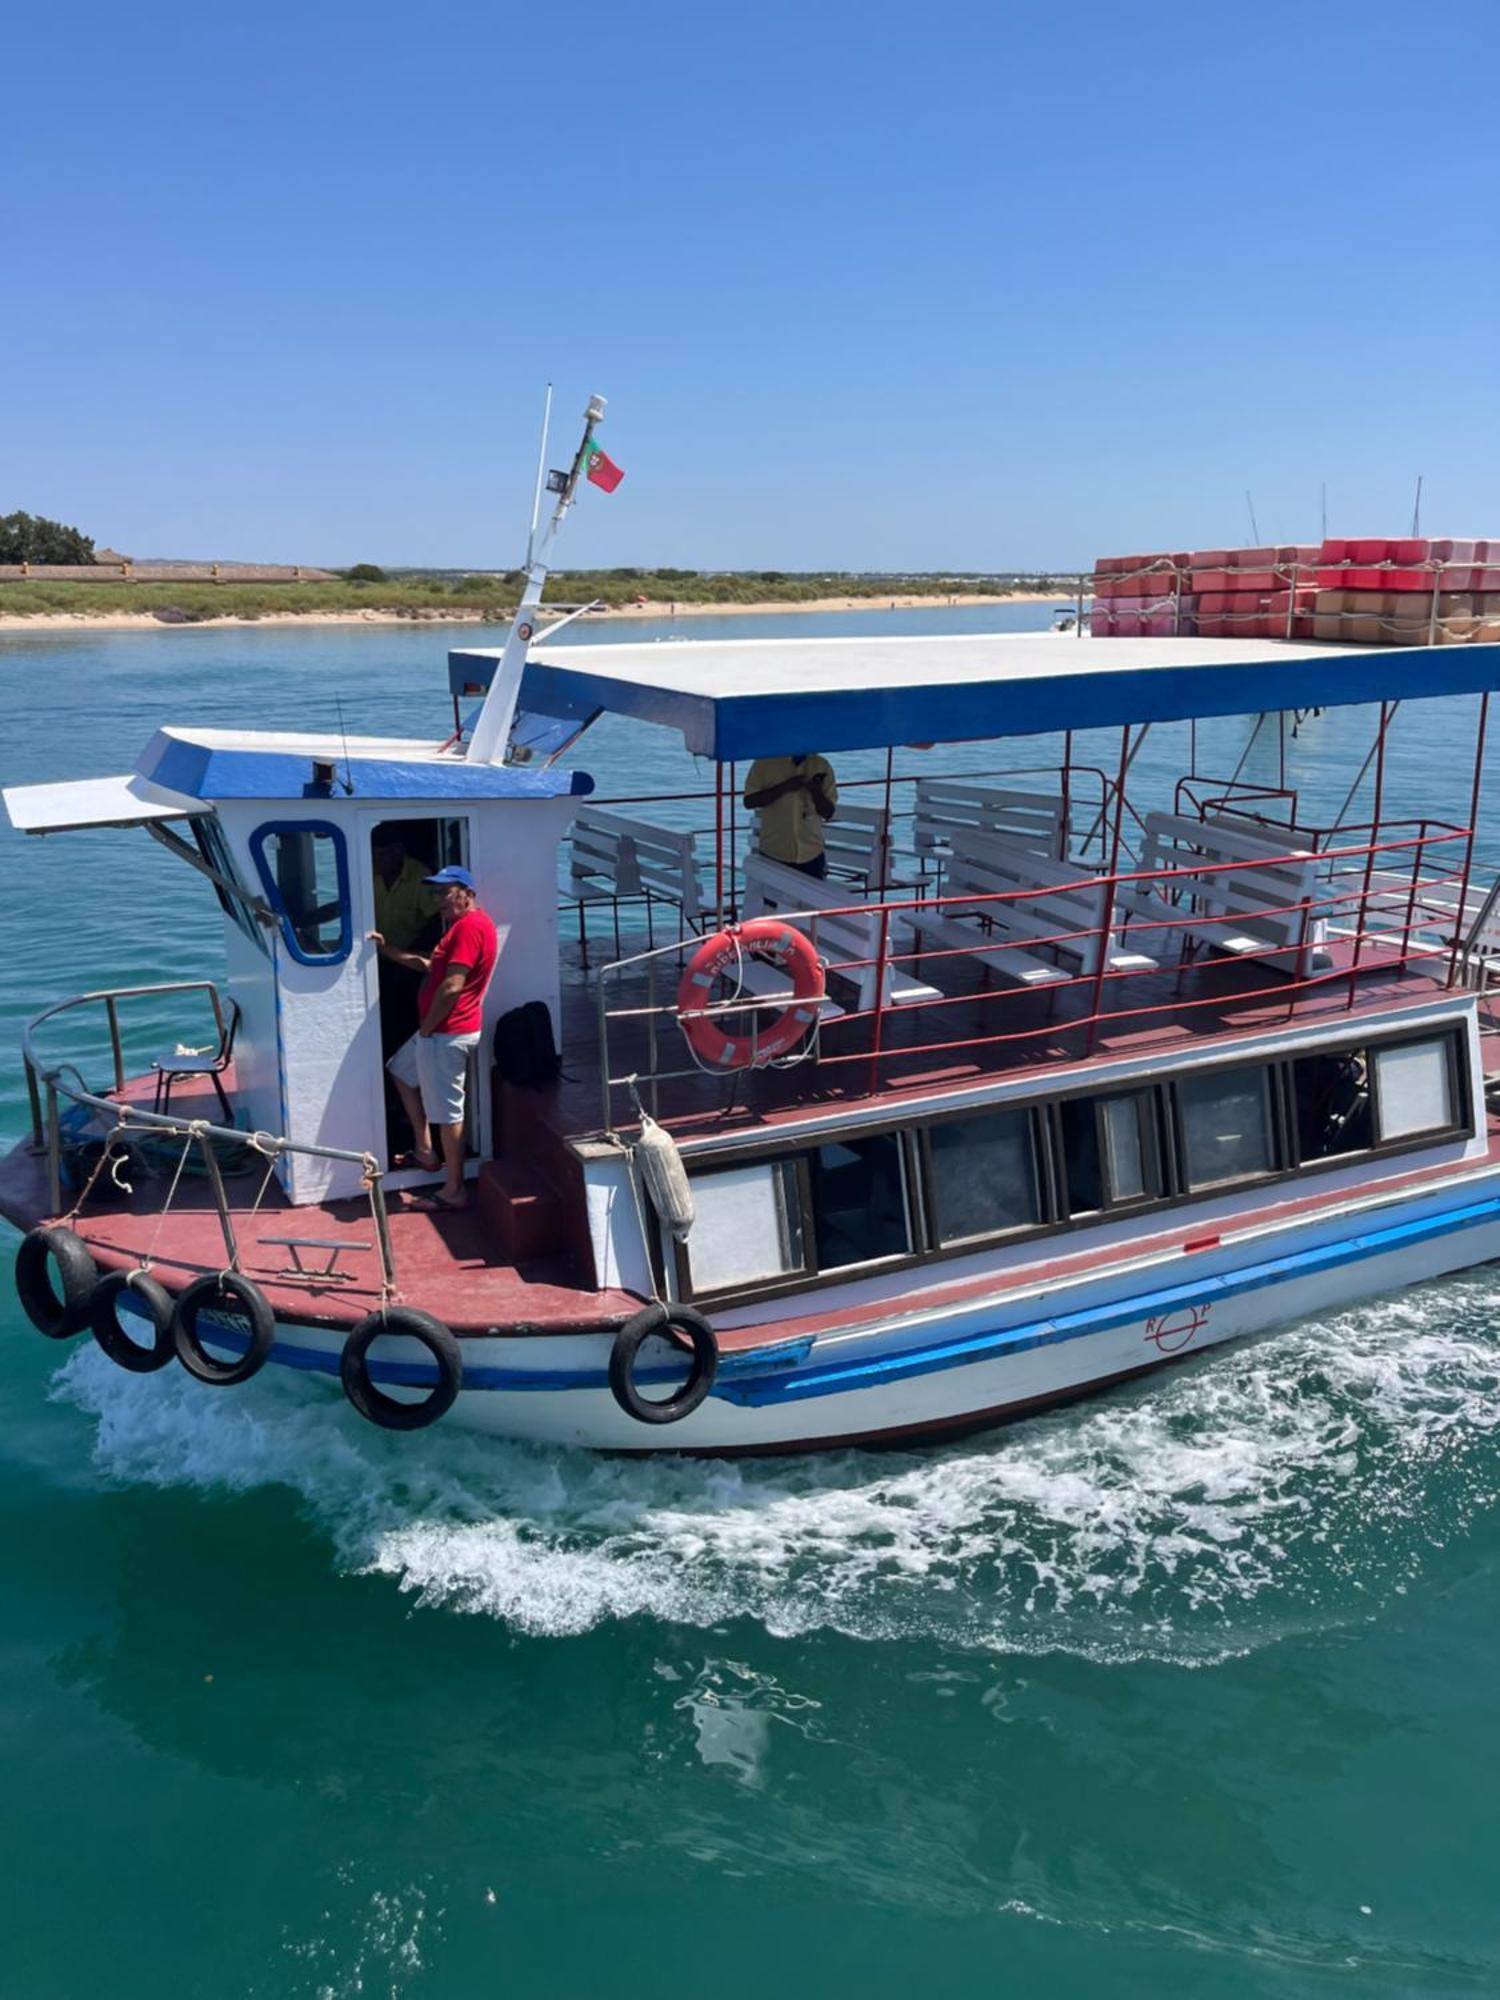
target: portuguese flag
<point>599,467</point>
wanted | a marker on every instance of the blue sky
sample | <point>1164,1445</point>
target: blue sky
<point>867,286</point>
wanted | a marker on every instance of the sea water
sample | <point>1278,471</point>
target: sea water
<point>1187,1690</point>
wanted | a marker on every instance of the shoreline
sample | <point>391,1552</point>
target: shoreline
<point>144,621</point>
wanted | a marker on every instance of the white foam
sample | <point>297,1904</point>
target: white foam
<point>1206,1512</point>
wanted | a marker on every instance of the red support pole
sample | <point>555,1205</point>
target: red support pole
<point>1460,928</point>
<point>885,849</point>
<point>734,845</point>
<point>1364,894</point>
<point>1107,915</point>
<point>719,843</point>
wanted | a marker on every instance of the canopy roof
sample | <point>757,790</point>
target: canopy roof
<point>740,698</point>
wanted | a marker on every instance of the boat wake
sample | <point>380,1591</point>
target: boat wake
<point>1278,1487</point>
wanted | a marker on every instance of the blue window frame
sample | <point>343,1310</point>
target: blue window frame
<point>304,870</point>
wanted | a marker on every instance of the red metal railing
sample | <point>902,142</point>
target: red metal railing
<point>1406,912</point>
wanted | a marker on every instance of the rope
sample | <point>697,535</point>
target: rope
<point>264,1144</point>
<point>111,1158</point>
<point>369,1175</point>
<point>189,1136</point>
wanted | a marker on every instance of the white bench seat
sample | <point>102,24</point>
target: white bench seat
<point>772,890</point>
<point>1258,911</point>
<point>1065,919</point>
<point>614,858</point>
<point>1023,968</point>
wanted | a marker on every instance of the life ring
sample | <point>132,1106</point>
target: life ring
<point>388,1411</point>
<point>663,1321</point>
<point>245,1301</point>
<point>153,1301</point>
<point>56,1312</point>
<point>777,944</point>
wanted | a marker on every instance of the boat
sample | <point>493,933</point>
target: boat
<point>1044,1085</point>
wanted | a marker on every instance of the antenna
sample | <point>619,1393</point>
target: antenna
<point>344,739</point>
<point>1254,528</point>
<point>1416,511</point>
<point>541,474</point>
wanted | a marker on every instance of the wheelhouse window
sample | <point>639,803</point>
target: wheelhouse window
<point>1331,1105</point>
<point>1416,1088</point>
<point>305,872</point>
<point>747,1227</point>
<point>233,901</point>
<point>857,1199</point>
<point>983,1177</point>
<point>1226,1127</point>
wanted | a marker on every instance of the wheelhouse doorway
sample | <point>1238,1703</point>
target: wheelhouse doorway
<point>402,853</point>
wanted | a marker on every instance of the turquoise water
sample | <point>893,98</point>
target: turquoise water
<point>1186,1691</point>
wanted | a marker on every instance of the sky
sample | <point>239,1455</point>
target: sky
<point>869,287</point>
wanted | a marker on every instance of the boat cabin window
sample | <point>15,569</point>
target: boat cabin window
<point>1108,1151</point>
<point>1331,1104</point>
<point>1226,1128</point>
<point>747,1227</point>
<point>954,1182</point>
<point>305,872</point>
<point>1415,1087</point>
<point>982,1176</point>
<point>857,1194</point>
<point>233,901</point>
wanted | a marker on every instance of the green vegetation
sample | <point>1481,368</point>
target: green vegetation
<point>31,538</point>
<point>417,594</point>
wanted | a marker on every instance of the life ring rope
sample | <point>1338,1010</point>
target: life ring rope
<point>775,943</point>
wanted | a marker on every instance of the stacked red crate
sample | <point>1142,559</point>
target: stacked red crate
<point>1381,592</point>
<point>1265,593</point>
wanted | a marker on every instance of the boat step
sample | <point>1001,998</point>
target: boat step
<point>523,1209</point>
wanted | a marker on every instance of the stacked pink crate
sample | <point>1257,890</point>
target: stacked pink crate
<point>1141,597</point>
<point>1266,593</point>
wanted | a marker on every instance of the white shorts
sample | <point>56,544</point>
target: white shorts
<point>438,1066</point>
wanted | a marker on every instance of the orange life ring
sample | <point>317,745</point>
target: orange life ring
<point>777,944</point>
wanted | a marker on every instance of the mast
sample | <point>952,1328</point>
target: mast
<point>492,730</point>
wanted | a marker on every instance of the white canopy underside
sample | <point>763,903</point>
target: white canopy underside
<point>124,801</point>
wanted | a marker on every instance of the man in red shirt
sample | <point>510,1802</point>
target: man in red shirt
<point>431,1068</point>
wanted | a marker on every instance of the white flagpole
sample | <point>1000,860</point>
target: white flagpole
<point>492,731</point>
<point>541,474</point>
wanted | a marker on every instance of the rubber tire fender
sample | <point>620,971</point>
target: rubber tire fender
<point>58,1315</point>
<point>373,1404</point>
<point>154,1300</point>
<point>664,1321</point>
<point>207,1292</point>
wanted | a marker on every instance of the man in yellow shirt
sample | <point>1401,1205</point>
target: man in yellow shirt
<point>793,795</point>
<point>404,905</point>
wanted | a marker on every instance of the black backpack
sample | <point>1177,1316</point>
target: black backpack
<point>525,1053</point>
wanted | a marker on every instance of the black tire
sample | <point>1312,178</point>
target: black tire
<point>56,1313</point>
<point>373,1403</point>
<point>154,1300</point>
<point>684,1327</point>
<point>226,1292</point>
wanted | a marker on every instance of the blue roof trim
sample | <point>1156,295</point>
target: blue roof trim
<point>737,727</point>
<point>211,771</point>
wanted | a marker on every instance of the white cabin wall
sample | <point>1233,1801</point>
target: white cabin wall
<point>310,1034</point>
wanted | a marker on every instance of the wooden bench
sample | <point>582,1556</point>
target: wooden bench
<point>1067,920</point>
<point>949,808</point>
<point>772,890</point>
<point>1245,912</point>
<point>615,859</point>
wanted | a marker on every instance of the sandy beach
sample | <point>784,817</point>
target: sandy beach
<point>132,621</point>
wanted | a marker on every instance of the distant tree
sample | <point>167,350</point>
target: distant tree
<point>366,573</point>
<point>30,538</point>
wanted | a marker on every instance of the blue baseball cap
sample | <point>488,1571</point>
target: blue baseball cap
<point>446,877</point>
